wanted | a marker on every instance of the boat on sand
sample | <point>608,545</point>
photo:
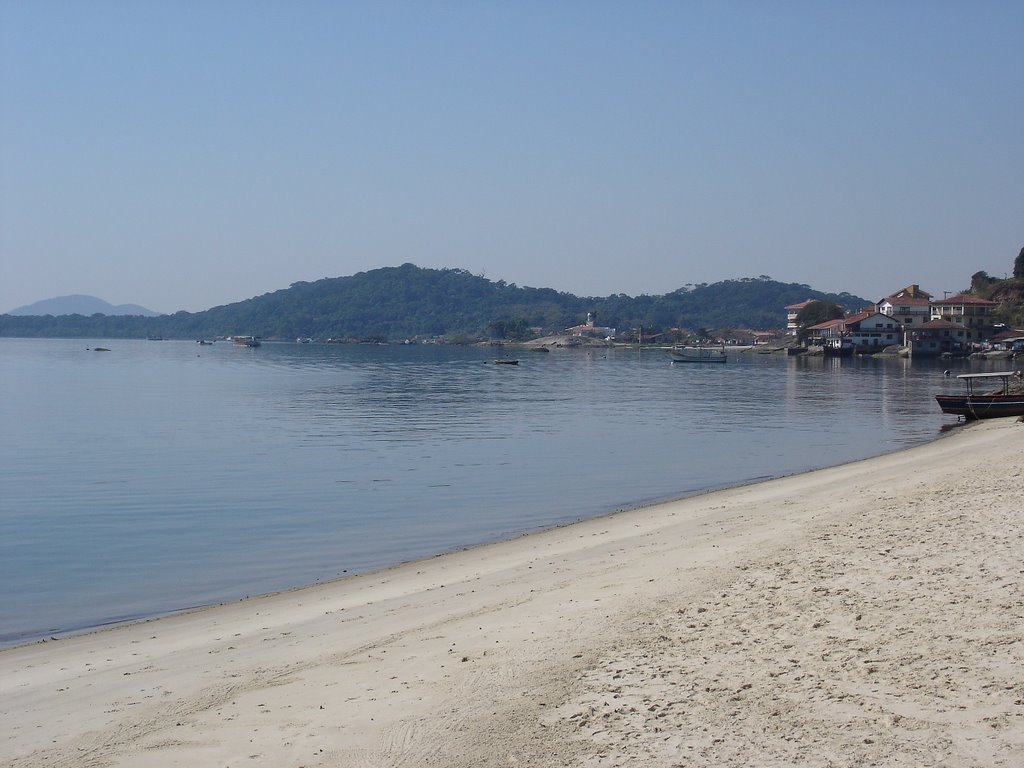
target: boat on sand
<point>985,405</point>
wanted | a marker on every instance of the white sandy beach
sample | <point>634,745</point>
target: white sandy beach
<point>868,614</point>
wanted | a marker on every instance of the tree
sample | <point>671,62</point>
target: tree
<point>516,329</point>
<point>818,312</point>
<point>814,313</point>
<point>1018,264</point>
<point>980,281</point>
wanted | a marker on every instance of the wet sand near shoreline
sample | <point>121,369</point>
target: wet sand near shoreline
<point>870,613</point>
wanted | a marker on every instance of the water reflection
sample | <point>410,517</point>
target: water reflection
<point>268,468</point>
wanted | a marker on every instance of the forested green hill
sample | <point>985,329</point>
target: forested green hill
<point>408,301</point>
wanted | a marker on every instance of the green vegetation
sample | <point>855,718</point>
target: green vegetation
<point>814,313</point>
<point>1009,292</point>
<point>410,302</point>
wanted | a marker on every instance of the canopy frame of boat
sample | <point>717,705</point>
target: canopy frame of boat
<point>970,378</point>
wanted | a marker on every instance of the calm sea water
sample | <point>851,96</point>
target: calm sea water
<point>163,475</point>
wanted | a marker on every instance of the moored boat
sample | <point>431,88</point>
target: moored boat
<point>697,353</point>
<point>838,346</point>
<point>989,405</point>
<point>245,341</point>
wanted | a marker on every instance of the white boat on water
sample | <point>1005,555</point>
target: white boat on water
<point>699,353</point>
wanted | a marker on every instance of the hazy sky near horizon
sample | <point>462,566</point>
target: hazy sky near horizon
<point>181,155</point>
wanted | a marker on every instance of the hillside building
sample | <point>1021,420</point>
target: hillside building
<point>972,313</point>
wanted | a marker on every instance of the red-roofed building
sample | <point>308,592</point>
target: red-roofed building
<point>791,312</point>
<point>972,313</point>
<point>896,318</point>
<point>937,337</point>
<point>589,329</point>
<point>909,307</point>
<point>830,329</point>
<point>873,330</point>
<point>831,336</point>
<point>867,330</point>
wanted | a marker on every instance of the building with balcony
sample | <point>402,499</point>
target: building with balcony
<point>909,307</point>
<point>973,314</point>
<point>791,312</point>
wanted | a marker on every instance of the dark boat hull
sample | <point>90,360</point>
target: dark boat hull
<point>697,354</point>
<point>981,406</point>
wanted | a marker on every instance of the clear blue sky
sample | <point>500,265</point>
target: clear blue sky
<point>181,155</point>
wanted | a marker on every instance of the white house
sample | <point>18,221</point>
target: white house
<point>792,328</point>
<point>909,307</point>
<point>589,329</point>
<point>873,330</point>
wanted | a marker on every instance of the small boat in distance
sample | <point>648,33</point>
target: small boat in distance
<point>990,405</point>
<point>697,353</point>
<point>506,361</point>
<point>245,341</point>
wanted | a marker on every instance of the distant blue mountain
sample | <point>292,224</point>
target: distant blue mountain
<point>81,305</point>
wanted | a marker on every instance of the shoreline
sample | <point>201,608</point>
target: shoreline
<point>640,637</point>
<point>59,635</point>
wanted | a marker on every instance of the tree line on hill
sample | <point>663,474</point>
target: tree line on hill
<point>405,302</point>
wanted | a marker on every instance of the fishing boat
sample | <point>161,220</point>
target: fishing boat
<point>699,353</point>
<point>987,405</point>
<point>506,361</point>
<point>245,341</point>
